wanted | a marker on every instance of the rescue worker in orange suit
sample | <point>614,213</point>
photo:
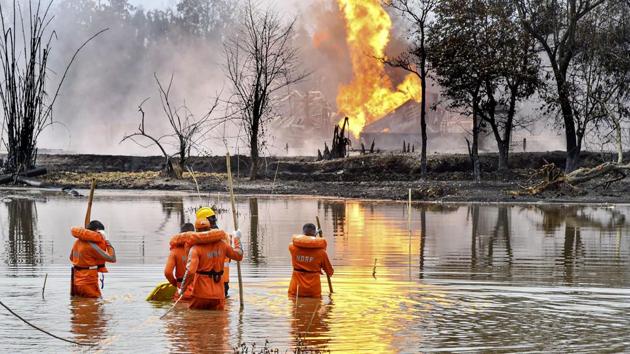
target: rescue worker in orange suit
<point>176,262</point>
<point>309,258</point>
<point>89,254</point>
<point>208,213</point>
<point>204,268</point>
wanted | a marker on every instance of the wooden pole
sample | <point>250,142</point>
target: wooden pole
<point>44,287</point>
<point>88,213</point>
<point>409,210</point>
<point>409,223</point>
<point>319,226</point>
<point>172,307</point>
<point>234,216</point>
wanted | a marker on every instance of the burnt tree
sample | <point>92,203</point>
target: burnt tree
<point>261,61</point>
<point>27,102</point>
<point>340,144</point>
<point>186,130</point>
<point>414,60</point>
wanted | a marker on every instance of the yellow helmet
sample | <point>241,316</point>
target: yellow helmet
<point>204,213</point>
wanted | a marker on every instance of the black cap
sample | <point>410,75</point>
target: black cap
<point>95,225</point>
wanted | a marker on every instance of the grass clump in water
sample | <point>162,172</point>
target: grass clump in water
<point>300,348</point>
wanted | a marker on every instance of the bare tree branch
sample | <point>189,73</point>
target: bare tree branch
<point>261,61</point>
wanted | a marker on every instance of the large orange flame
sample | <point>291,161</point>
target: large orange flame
<point>371,95</point>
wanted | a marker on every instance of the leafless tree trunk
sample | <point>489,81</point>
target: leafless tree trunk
<point>473,149</point>
<point>25,47</point>
<point>261,61</point>
<point>618,142</point>
<point>168,170</point>
<point>616,121</point>
<point>474,152</point>
<point>187,131</point>
<point>415,59</point>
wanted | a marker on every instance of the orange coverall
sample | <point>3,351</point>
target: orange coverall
<point>307,266</point>
<point>205,264</point>
<point>175,269</point>
<point>88,259</point>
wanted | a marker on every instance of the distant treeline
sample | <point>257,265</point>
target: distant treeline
<point>202,18</point>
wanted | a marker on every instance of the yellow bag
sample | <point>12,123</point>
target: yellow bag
<point>163,292</point>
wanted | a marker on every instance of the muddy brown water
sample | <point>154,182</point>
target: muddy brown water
<point>477,278</point>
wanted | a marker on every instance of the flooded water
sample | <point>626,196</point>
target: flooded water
<point>499,278</point>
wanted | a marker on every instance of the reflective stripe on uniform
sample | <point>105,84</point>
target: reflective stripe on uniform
<point>103,254</point>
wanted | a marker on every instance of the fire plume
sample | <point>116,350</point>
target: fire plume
<point>371,94</point>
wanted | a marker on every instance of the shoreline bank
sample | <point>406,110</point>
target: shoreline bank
<point>384,176</point>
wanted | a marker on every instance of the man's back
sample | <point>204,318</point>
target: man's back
<point>307,266</point>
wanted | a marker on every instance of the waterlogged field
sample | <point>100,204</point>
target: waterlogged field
<point>465,278</point>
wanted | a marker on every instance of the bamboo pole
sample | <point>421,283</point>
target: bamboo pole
<point>409,210</point>
<point>44,287</point>
<point>273,185</point>
<point>297,298</point>
<point>88,213</point>
<point>234,216</point>
<point>172,307</point>
<point>410,232</point>
<point>319,226</point>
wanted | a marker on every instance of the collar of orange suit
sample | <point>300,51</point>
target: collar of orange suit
<point>303,241</point>
<point>84,234</point>
<point>205,237</point>
<point>180,240</point>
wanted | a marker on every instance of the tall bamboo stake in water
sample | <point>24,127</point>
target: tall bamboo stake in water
<point>44,287</point>
<point>297,297</point>
<point>273,185</point>
<point>409,210</point>
<point>409,223</point>
<point>319,227</point>
<point>234,216</point>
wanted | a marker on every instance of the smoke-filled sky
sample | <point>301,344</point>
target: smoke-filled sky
<point>281,4</point>
<point>115,72</point>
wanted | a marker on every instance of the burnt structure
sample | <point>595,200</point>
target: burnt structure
<point>301,116</point>
<point>403,125</point>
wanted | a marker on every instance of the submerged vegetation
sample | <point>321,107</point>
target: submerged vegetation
<point>299,347</point>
